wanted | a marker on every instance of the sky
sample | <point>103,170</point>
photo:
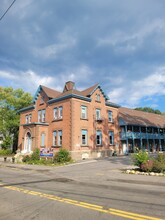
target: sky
<point>119,44</point>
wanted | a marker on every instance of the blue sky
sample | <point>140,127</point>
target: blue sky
<point>118,44</point>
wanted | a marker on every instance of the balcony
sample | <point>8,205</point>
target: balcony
<point>138,135</point>
<point>99,119</point>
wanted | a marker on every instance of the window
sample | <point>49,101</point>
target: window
<point>98,137</point>
<point>28,119</point>
<point>54,138</point>
<point>60,138</point>
<point>55,113</point>
<point>83,112</point>
<point>110,116</point>
<point>97,97</point>
<point>111,137</point>
<point>60,112</point>
<point>41,115</point>
<point>98,114</point>
<point>84,135</point>
<point>43,139</point>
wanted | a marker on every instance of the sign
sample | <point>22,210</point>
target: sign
<point>46,152</point>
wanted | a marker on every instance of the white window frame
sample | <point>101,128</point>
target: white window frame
<point>55,112</point>
<point>54,138</point>
<point>98,113</point>
<point>98,137</point>
<point>111,137</point>
<point>110,116</point>
<point>84,137</point>
<point>60,138</point>
<point>39,116</point>
<point>60,112</point>
<point>83,112</point>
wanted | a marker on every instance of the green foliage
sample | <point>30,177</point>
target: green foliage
<point>159,163</point>
<point>10,102</point>
<point>62,156</point>
<point>148,109</point>
<point>5,152</point>
<point>147,166</point>
<point>6,143</point>
<point>140,158</point>
<point>36,154</point>
<point>26,158</point>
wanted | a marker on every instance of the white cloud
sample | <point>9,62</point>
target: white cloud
<point>131,40</point>
<point>131,93</point>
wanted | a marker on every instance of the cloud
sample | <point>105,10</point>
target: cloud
<point>130,93</point>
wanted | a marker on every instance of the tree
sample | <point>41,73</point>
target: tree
<point>10,102</point>
<point>148,109</point>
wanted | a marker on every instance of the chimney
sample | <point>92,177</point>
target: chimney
<point>69,86</point>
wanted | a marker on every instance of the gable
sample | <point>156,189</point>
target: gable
<point>46,93</point>
<point>98,91</point>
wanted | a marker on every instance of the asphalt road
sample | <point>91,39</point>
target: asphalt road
<point>94,189</point>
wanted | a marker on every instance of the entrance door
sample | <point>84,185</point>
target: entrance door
<point>28,143</point>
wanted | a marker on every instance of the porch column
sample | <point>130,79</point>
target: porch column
<point>141,144</point>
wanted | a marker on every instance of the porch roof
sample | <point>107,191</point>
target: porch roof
<point>134,117</point>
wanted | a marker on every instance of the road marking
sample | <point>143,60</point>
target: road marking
<point>117,212</point>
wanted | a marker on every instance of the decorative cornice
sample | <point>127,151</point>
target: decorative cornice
<point>99,87</point>
<point>35,123</point>
<point>111,104</point>
<point>26,109</point>
<point>68,97</point>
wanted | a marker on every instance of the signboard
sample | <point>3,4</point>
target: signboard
<point>46,152</point>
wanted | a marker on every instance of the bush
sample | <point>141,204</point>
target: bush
<point>36,154</point>
<point>159,163</point>
<point>5,152</point>
<point>147,166</point>
<point>62,156</point>
<point>26,159</point>
<point>6,143</point>
<point>140,158</point>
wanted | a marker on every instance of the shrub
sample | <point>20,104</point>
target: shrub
<point>5,152</point>
<point>140,158</point>
<point>36,154</point>
<point>26,158</point>
<point>147,166</point>
<point>62,156</point>
<point>159,163</point>
<point>6,143</point>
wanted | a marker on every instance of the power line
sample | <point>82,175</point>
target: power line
<point>7,10</point>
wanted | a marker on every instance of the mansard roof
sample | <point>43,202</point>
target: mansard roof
<point>135,117</point>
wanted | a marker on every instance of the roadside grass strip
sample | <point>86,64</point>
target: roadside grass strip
<point>112,211</point>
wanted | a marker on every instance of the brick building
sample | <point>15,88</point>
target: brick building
<point>84,122</point>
